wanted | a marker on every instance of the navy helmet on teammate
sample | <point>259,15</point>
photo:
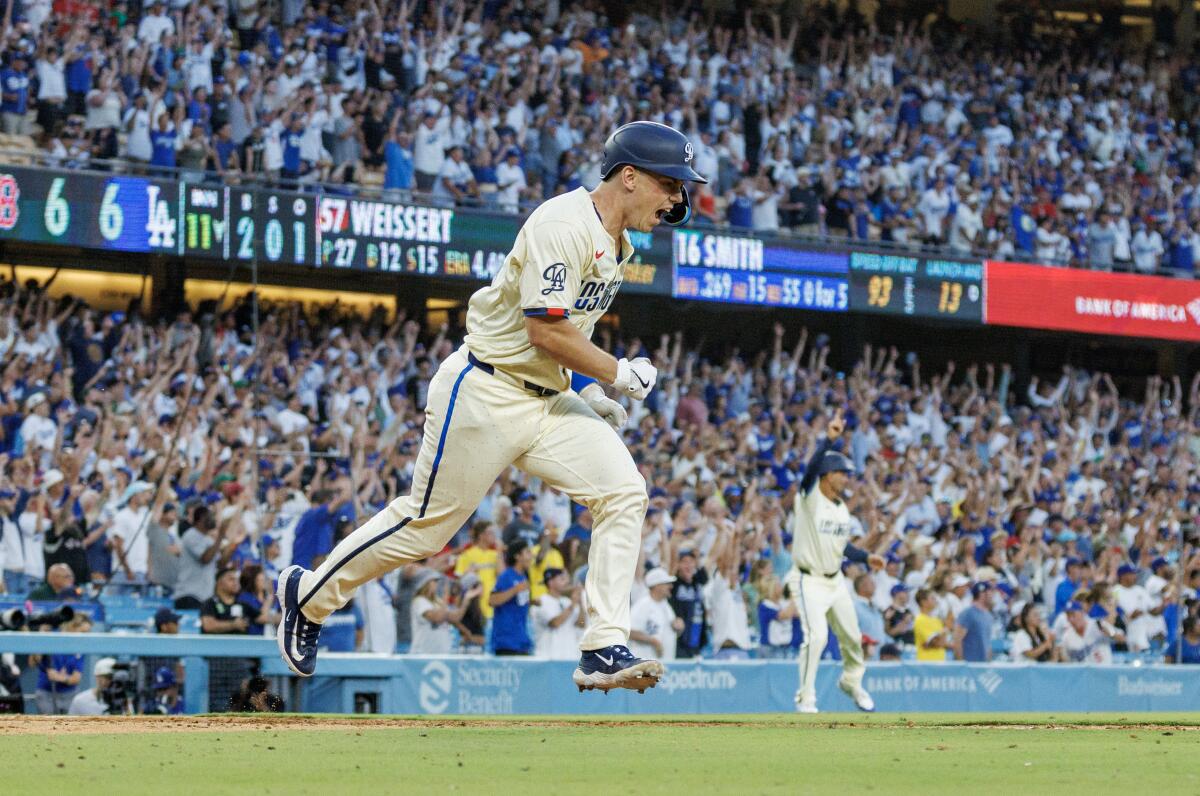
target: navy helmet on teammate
<point>658,149</point>
<point>834,462</point>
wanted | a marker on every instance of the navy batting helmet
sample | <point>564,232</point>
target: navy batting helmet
<point>656,148</point>
<point>834,462</point>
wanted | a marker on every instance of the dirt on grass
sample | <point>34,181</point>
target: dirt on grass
<point>115,725</point>
<point>53,725</point>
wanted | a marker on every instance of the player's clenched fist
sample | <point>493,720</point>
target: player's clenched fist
<point>612,412</point>
<point>636,378</point>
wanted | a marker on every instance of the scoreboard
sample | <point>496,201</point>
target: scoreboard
<point>326,229</point>
<point>283,228</point>
<point>117,212</point>
<point>894,284</point>
<point>744,270</point>
<point>205,220</point>
<point>138,214</point>
<point>382,236</point>
<point>238,223</point>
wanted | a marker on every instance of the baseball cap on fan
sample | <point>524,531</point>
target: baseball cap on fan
<point>658,577</point>
<point>51,479</point>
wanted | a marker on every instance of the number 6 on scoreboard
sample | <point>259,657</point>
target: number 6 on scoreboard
<point>112,217</point>
<point>58,213</point>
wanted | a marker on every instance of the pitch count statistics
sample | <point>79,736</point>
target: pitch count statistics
<point>129,213</point>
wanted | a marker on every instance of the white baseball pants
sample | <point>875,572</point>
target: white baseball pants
<point>477,424</point>
<point>824,602</point>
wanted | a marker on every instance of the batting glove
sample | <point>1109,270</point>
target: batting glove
<point>612,412</point>
<point>636,378</point>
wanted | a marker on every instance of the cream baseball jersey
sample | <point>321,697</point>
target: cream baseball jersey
<point>821,530</point>
<point>563,263</point>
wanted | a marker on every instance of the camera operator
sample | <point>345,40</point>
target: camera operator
<point>255,696</point>
<point>91,702</point>
<point>59,675</point>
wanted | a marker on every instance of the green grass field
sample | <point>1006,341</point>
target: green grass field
<point>925,754</point>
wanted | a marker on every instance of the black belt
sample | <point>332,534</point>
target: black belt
<point>536,389</point>
<point>807,572</point>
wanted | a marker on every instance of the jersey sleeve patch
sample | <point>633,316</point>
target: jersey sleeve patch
<point>553,312</point>
<point>555,253</point>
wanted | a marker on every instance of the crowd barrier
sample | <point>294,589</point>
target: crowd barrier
<point>477,685</point>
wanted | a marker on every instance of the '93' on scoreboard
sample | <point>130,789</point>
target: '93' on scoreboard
<point>894,284</point>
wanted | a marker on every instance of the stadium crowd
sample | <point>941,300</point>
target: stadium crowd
<point>1051,520</point>
<point>1035,142</point>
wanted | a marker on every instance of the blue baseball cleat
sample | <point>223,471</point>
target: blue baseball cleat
<point>616,667</point>
<point>297,636</point>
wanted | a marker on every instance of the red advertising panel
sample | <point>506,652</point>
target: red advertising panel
<point>1127,305</point>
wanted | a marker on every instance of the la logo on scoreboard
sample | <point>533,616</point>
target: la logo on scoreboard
<point>159,224</point>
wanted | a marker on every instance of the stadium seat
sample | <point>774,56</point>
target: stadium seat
<point>189,622</point>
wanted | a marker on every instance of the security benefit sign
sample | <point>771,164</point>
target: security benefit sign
<point>490,686</point>
<point>733,269</point>
<point>895,284</point>
<point>88,210</point>
<point>1127,305</point>
<point>369,235</point>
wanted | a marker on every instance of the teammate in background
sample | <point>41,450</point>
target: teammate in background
<point>821,538</point>
<point>525,390</point>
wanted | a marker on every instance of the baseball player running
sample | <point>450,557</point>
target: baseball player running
<point>820,539</point>
<point>525,389</point>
